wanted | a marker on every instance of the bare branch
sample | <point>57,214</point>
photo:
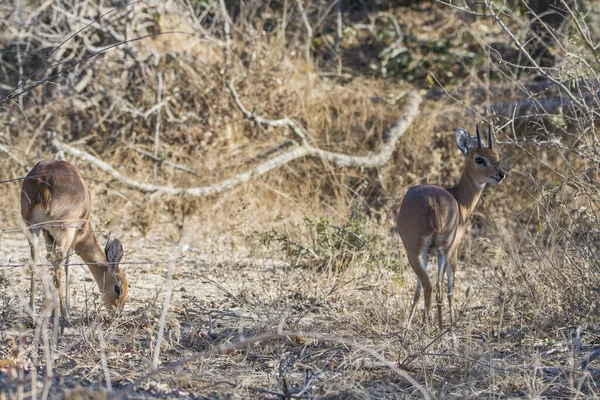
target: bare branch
<point>227,30</point>
<point>275,123</point>
<point>166,301</point>
<point>466,8</point>
<point>489,5</point>
<point>390,139</point>
<point>309,32</point>
<point>157,124</point>
<point>202,191</point>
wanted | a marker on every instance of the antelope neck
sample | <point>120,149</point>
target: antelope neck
<point>94,257</point>
<point>466,193</point>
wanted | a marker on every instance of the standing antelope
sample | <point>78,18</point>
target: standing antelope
<point>56,201</point>
<point>432,218</point>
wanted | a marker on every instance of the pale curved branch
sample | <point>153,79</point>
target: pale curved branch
<point>389,140</point>
<point>285,121</point>
<point>390,137</point>
<point>202,191</point>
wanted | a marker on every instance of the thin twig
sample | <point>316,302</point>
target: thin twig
<point>227,31</point>
<point>489,5</point>
<point>274,123</point>
<point>340,36</point>
<point>166,302</point>
<point>103,358</point>
<point>157,125</point>
<point>309,33</point>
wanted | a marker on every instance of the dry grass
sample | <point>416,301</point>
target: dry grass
<point>527,286</point>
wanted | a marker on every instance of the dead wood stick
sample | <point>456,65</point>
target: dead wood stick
<point>157,124</point>
<point>390,137</point>
<point>389,141</point>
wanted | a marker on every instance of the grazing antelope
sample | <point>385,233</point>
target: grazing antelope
<point>56,201</point>
<point>432,218</point>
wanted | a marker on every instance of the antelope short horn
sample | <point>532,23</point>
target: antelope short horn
<point>478,136</point>
<point>490,138</point>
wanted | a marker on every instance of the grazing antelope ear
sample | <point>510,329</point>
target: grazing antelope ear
<point>114,252</point>
<point>463,140</point>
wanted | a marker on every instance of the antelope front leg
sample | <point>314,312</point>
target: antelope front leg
<point>33,249</point>
<point>32,289</point>
<point>62,246</point>
<point>438,301</point>
<point>414,304</point>
<point>67,284</point>
<point>450,278</point>
<point>438,284</point>
<point>57,276</point>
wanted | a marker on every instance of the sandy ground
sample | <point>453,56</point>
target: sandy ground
<point>219,292</point>
<point>223,290</point>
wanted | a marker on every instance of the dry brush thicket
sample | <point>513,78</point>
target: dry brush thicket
<point>290,283</point>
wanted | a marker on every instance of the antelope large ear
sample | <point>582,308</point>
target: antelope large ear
<point>463,140</point>
<point>114,251</point>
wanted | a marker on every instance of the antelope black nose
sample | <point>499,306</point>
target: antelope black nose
<point>501,175</point>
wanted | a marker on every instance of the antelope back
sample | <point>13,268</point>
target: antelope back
<point>54,191</point>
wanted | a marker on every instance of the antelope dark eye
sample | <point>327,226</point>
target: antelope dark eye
<point>480,161</point>
<point>118,290</point>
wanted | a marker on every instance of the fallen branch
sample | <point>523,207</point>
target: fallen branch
<point>275,123</point>
<point>390,137</point>
<point>389,141</point>
<point>216,188</point>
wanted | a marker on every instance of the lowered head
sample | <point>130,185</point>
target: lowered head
<point>115,284</point>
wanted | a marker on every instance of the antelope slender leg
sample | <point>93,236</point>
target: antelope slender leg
<point>61,244</point>
<point>57,278</point>
<point>450,277</point>
<point>33,238</point>
<point>419,262</point>
<point>49,240</point>
<point>55,259</point>
<point>414,304</point>
<point>67,282</point>
<point>439,307</point>
<point>438,285</point>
